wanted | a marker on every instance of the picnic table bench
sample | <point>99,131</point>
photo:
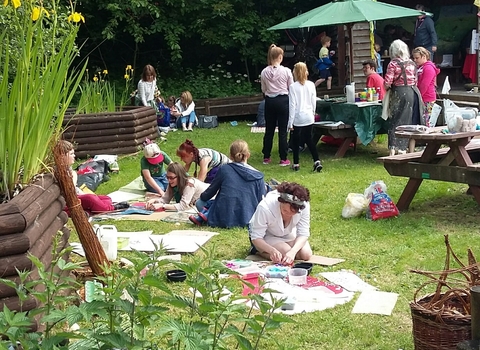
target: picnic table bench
<point>339,131</point>
<point>454,163</point>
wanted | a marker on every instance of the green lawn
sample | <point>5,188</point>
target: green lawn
<point>381,252</point>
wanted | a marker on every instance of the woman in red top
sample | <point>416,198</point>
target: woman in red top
<point>405,105</point>
<point>427,80</point>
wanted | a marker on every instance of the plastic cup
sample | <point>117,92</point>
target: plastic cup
<point>297,276</point>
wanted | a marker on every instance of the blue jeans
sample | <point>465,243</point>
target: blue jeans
<point>201,204</point>
<point>160,180</point>
<point>186,120</point>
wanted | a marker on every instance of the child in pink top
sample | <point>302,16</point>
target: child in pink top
<point>427,80</point>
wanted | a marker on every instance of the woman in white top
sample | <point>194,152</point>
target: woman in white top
<point>280,227</point>
<point>185,111</point>
<point>302,104</point>
<point>183,189</point>
<point>146,87</point>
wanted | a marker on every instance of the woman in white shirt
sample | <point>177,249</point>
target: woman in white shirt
<point>302,104</point>
<point>280,227</point>
<point>146,87</point>
<point>183,189</point>
<point>185,111</point>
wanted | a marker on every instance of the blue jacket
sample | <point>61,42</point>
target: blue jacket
<point>425,34</point>
<point>240,189</point>
<point>323,63</point>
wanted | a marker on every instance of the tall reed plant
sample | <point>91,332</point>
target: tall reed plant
<point>97,94</point>
<point>34,99</point>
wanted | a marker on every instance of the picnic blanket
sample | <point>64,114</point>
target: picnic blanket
<point>135,190</point>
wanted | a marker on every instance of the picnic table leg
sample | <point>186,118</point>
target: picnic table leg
<point>408,193</point>
<point>344,147</point>
<point>475,190</point>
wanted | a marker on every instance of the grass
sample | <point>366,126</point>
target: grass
<point>381,252</point>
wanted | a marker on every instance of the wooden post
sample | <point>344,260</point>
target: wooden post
<point>93,250</point>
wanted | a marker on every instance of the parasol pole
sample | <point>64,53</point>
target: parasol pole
<point>350,71</point>
<point>93,249</point>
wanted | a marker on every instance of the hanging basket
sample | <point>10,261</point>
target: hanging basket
<point>434,331</point>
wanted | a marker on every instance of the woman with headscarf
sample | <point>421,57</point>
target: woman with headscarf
<point>280,227</point>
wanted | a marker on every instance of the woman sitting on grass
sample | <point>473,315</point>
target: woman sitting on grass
<point>238,188</point>
<point>185,112</point>
<point>207,159</point>
<point>153,171</point>
<point>280,227</point>
<point>91,203</point>
<point>183,189</point>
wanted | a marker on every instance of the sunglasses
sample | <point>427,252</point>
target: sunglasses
<point>171,177</point>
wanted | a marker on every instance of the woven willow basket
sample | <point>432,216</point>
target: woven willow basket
<point>434,331</point>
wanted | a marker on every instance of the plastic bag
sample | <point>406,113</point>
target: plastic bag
<point>381,205</point>
<point>355,205</point>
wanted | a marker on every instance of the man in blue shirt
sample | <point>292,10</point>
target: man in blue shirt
<point>425,34</point>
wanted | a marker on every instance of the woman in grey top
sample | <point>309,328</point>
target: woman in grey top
<point>207,159</point>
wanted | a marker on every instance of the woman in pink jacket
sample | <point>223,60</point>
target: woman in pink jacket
<point>427,80</point>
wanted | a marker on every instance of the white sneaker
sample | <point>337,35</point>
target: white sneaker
<point>252,124</point>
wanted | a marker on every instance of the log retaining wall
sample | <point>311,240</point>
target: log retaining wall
<point>28,225</point>
<point>110,132</point>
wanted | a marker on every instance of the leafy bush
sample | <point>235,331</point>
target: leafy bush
<point>215,81</point>
<point>137,309</point>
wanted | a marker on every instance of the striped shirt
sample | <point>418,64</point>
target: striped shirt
<point>217,158</point>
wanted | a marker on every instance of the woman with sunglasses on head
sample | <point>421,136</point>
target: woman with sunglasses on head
<point>183,189</point>
<point>280,227</point>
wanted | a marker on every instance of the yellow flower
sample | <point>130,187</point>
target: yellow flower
<point>126,76</point>
<point>76,17</point>
<point>95,78</point>
<point>37,11</point>
<point>128,67</point>
<point>15,3</point>
<point>105,72</point>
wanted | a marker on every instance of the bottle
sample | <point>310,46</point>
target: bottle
<point>369,95</point>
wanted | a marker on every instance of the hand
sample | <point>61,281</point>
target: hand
<point>152,204</point>
<point>276,256</point>
<point>333,64</point>
<point>289,258</point>
<point>434,48</point>
<point>332,52</point>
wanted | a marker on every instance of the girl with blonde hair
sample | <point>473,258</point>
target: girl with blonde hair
<point>275,80</point>
<point>302,104</point>
<point>185,112</point>
<point>238,188</point>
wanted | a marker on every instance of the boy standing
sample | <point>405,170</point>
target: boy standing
<point>374,80</point>
<point>325,63</point>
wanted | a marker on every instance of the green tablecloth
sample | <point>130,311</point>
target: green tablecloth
<point>367,120</point>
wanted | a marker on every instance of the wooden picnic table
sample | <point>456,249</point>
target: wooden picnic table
<point>453,164</point>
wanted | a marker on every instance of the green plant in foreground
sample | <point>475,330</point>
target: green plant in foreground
<point>34,99</point>
<point>137,310</point>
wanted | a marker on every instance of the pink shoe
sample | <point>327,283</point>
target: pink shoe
<point>266,161</point>
<point>285,162</point>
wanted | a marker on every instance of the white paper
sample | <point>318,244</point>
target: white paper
<point>446,86</point>
<point>348,280</point>
<point>473,43</point>
<point>375,302</point>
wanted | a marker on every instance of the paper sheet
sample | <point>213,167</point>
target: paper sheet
<point>348,280</point>
<point>375,302</point>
